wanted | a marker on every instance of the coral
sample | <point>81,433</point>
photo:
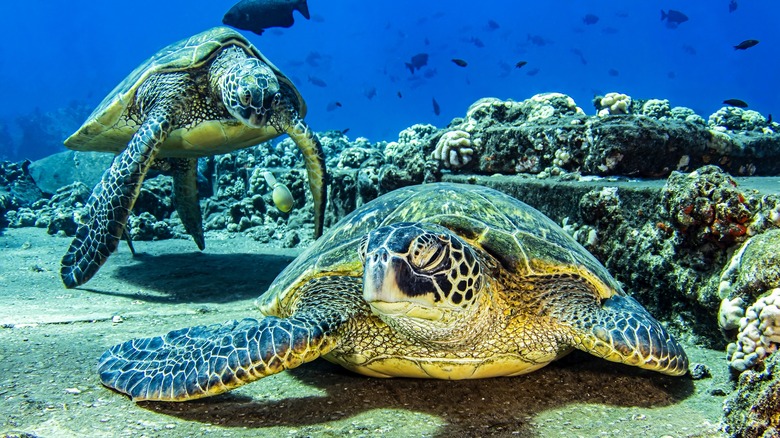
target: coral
<point>406,158</point>
<point>614,103</point>
<point>657,109</point>
<point>546,105</point>
<point>753,410</point>
<point>737,119</point>
<point>759,333</point>
<point>356,157</point>
<point>454,149</point>
<point>753,269</point>
<point>688,115</point>
<point>706,206</point>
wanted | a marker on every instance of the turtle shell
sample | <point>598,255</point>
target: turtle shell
<point>519,238</point>
<point>109,129</point>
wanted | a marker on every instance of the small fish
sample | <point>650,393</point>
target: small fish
<point>533,72</point>
<point>460,62</point>
<point>344,131</point>
<point>317,81</point>
<point>590,19</point>
<point>690,50</point>
<point>521,64</point>
<point>477,42</point>
<point>400,96</point>
<point>744,45</point>
<point>436,108</point>
<point>732,6</point>
<point>538,40</point>
<point>736,102</point>
<point>673,18</point>
<point>258,15</point>
<point>612,72</point>
<point>369,92</point>
<point>671,75</point>
<point>417,62</point>
<point>315,59</point>
<point>769,118</point>
<point>333,105</point>
<point>492,25</point>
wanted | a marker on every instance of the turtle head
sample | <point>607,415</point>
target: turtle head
<point>422,280</point>
<point>249,91</point>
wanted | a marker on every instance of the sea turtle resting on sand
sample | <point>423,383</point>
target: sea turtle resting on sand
<point>441,281</point>
<point>210,94</point>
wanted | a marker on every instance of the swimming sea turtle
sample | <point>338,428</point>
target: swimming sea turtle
<point>441,280</point>
<point>206,95</point>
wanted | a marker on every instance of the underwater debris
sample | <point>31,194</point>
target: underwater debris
<point>258,15</point>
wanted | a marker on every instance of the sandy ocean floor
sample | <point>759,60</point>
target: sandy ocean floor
<point>51,338</point>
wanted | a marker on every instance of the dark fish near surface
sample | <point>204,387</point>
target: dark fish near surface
<point>460,62</point>
<point>736,102</point>
<point>732,6</point>
<point>745,44</point>
<point>590,19</point>
<point>673,18</point>
<point>417,62</point>
<point>317,81</point>
<point>521,64</point>
<point>258,15</point>
<point>436,108</point>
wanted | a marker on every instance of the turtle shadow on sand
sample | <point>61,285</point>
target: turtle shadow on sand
<point>197,277</point>
<point>488,406</point>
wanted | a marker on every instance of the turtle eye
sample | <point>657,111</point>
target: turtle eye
<point>427,254</point>
<point>363,248</point>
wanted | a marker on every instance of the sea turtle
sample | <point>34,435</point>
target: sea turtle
<point>209,94</point>
<point>441,281</point>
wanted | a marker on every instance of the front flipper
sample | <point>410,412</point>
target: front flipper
<point>621,330</point>
<point>314,158</point>
<point>185,190</point>
<point>202,361</point>
<point>108,208</point>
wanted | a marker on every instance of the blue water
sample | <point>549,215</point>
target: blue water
<point>55,53</point>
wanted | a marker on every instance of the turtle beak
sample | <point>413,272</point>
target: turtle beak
<point>389,283</point>
<point>379,282</point>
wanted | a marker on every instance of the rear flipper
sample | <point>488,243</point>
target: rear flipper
<point>185,189</point>
<point>202,361</point>
<point>621,330</point>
